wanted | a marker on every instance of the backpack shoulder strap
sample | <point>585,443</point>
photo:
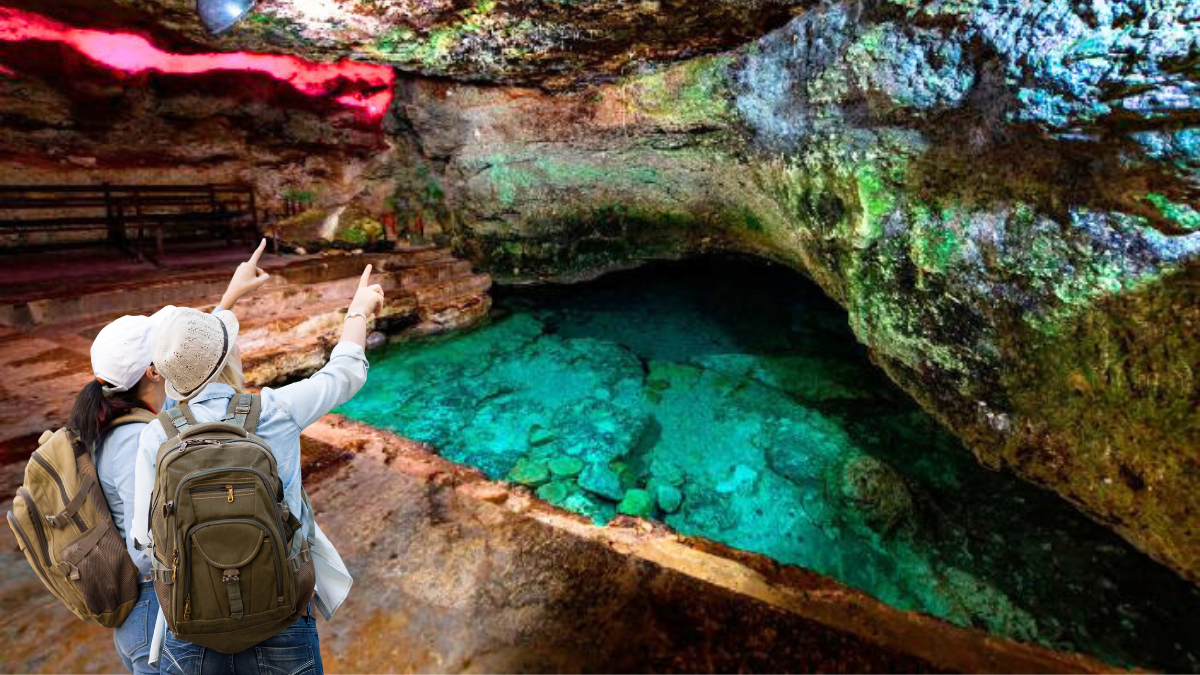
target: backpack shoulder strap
<point>179,418</point>
<point>243,411</point>
<point>137,415</point>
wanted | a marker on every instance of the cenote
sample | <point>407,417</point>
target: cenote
<point>728,399</point>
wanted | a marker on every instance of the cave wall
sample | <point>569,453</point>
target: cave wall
<point>1002,195</point>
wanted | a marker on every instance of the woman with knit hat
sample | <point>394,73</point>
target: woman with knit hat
<point>125,381</point>
<point>196,353</point>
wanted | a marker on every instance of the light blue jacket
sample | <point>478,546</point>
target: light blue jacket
<point>116,452</point>
<point>285,413</point>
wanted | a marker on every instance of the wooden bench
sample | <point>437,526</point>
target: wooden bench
<point>226,207</point>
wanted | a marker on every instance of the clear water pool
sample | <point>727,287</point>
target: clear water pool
<point>730,400</point>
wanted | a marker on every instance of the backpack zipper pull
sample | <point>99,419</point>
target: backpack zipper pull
<point>174,564</point>
<point>187,607</point>
<point>197,441</point>
<point>230,488</point>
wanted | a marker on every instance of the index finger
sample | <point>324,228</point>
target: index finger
<point>258,252</point>
<point>362,283</point>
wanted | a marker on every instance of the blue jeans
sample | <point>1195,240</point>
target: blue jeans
<point>133,637</point>
<point>294,651</point>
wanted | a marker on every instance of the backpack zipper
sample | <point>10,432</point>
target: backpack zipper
<point>179,448</point>
<point>197,474</point>
<point>229,488</point>
<point>38,568</point>
<point>187,559</point>
<point>36,517</point>
<point>62,489</point>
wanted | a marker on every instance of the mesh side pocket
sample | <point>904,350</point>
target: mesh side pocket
<point>163,591</point>
<point>107,576</point>
<point>306,582</point>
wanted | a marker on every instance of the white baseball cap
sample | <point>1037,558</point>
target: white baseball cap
<point>121,351</point>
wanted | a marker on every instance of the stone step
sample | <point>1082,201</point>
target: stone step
<point>405,259</point>
<point>442,293</point>
<point>439,271</point>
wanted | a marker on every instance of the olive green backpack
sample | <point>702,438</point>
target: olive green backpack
<point>64,528</point>
<point>231,566</point>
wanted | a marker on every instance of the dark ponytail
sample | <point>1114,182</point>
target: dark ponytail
<point>93,410</point>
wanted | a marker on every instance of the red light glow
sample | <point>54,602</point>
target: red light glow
<point>133,54</point>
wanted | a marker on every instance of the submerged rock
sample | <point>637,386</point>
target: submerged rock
<point>601,480</point>
<point>669,498</point>
<point>529,472</point>
<point>875,494</point>
<point>636,502</point>
<point>565,466</point>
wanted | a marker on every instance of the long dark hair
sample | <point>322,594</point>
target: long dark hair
<point>93,410</point>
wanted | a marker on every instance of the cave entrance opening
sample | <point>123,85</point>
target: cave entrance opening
<point>728,398</point>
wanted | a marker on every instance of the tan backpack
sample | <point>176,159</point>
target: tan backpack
<point>63,525</point>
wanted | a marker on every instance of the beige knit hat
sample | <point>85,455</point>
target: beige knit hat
<point>191,348</point>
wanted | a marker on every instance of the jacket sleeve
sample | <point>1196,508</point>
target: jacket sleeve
<point>308,400</point>
<point>151,438</point>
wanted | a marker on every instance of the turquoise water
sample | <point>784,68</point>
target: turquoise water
<point>730,400</point>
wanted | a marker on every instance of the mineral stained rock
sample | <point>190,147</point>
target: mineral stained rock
<point>1002,195</point>
<point>547,42</point>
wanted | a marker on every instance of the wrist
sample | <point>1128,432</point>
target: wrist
<point>353,313</point>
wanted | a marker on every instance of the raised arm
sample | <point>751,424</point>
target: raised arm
<point>308,400</point>
<point>367,302</point>
<point>248,277</point>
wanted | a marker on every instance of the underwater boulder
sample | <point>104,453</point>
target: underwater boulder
<point>875,494</point>
<point>601,480</point>
<point>637,502</point>
<point>669,497</point>
<point>529,472</point>
<point>595,430</point>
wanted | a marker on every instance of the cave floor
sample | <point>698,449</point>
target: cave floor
<point>731,402</point>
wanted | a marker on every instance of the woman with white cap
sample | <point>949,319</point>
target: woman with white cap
<point>196,352</point>
<point>125,381</point>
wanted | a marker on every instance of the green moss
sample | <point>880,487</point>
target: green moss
<point>693,93</point>
<point>935,241</point>
<point>435,49</point>
<point>1183,215</point>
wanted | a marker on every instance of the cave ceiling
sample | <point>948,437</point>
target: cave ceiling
<point>553,44</point>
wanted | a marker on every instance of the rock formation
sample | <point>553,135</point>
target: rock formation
<point>1001,195</point>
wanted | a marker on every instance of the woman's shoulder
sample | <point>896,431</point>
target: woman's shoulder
<point>118,444</point>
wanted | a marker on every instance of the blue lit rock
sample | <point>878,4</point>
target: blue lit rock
<point>669,498</point>
<point>565,467</point>
<point>601,480</point>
